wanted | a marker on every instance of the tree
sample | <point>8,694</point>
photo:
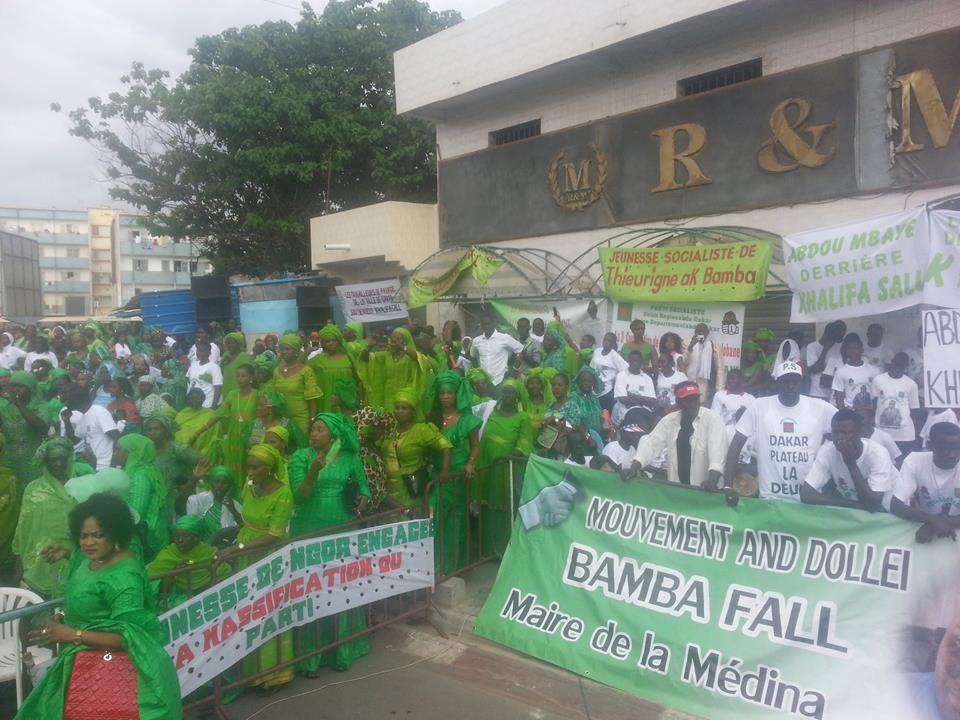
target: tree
<point>269,126</point>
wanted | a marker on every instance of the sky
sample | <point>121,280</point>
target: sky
<point>66,51</point>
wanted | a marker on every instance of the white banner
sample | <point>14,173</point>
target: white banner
<point>862,268</point>
<point>725,321</point>
<point>296,585</point>
<point>942,285</point>
<point>371,302</point>
<point>941,358</point>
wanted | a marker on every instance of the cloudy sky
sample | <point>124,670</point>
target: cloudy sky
<point>66,51</point>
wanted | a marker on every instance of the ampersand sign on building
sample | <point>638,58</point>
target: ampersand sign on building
<point>794,143</point>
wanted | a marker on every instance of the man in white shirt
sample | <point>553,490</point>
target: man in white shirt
<point>821,355</point>
<point>730,404</point>
<point>492,350</point>
<point>693,437</point>
<point>96,431</point>
<point>537,329</point>
<point>787,430</point>
<point>206,375</point>
<point>532,353</point>
<point>667,380</point>
<point>10,354</point>
<point>591,325</point>
<point>937,415</point>
<point>853,381</point>
<point>869,431</point>
<point>875,352</point>
<point>632,388</point>
<point>704,365</point>
<point>608,363</point>
<point>41,351</point>
<point>898,400</point>
<point>861,471</point>
<point>203,338</point>
<point>622,450</point>
<point>928,490</point>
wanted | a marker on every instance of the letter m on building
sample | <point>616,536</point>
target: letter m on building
<point>577,178</point>
<point>922,85</point>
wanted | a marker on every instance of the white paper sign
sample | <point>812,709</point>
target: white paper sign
<point>372,302</point>
<point>942,285</point>
<point>941,358</point>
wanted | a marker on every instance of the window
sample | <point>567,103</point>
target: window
<point>135,235</point>
<point>69,275</point>
<point>73,252</point>
<point>165,265</point>
<point>720,78</point>
<point>194,265</point>
<point>101,230</point>
<point>515,132</point>
<point>178,266</point>
<point>140,265</point>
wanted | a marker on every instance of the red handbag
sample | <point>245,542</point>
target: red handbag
<point>103,686</point>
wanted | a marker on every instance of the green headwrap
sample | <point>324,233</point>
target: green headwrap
<point>281,432</point>
<point>516,385</point>
<point>140,452</point>
<point>331,332</point>
<point>346,390</point>
<point>278,402</point>
<point>545,376</point>
<point>222,471</point>
<point>408,342</point>
<point>341,430</point>
<point>357,328</point>
<point>57,373</point>
<point>194,524</point>
<point>763,334</point>
<point>168,424</point>
<point>25,379</point>
<point>461,386</point>
<point>408,396</point>
<point>235,337</point>
<point>292,340</point>
<point>267,454</point>
<point>267,360</point>
<point>597,382</point>
<point>476,374</point>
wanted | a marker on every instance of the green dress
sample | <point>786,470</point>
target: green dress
<point>327,371</point>
<point>331,504</point>
<point>404,453</point>
<point>267,515</point>
<point>9,508</point>
<point>148,490</point>
<point>229,370</point>
<point>22,439</point>
<point>388,374</point>
<point>503,435</point>
<point>237,414</point>
<point>176,465</point>
<point>186,584</point>
<point>449,500</point>
<point>189,422</point>
<point>298,388</point>
<point>43,521</point>
<point>115,599</point>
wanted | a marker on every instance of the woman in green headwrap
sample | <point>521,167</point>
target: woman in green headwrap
<point>9,508</point>
<point>536,395</point>
<point>329,488</point>
<point>263,367</point>
<point>25,422</point>
<point>150,403</point>
<point>557,354</point>
<point>234,355</point>
<point>400,366</point>
<point>176,462</point>
<point>196,426</point>
<point>371,425</point>
<point>272,411</point>
<point>267,508</point>
<point>508,431</point>
<point>585,394</point>
<point>753,367</point>
<point>43,520</point>
<point>296,382</point>
<point>236,418</point>
<point>407,451</point>
<point>481,384</point>
<point>174,381</point>
<point>450,400</point>
<point>148,490</point>
<point>186,548</point>
<point>332,364</point>
<point>764,338</point>
<point>354,337</point>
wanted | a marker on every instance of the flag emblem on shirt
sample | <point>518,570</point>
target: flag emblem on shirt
<point>788,426</point>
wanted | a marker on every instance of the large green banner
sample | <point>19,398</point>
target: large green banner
<point>481,263</point>
<point>770,609</point>
<point>723,272</point>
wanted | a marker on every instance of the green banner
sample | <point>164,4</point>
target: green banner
<point>724,272</point>
<point>770,609</point>
<point>481,264</point>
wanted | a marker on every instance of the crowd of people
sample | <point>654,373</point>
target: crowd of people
<point>127,453</point>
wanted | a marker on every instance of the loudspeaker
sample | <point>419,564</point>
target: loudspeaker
<point>211,309</point>
<point>312,318</point>
<point>210,286</point>
<point>312,296</point>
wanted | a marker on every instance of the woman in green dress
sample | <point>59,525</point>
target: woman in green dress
<point>332,364</point>
<point>371,425</point>
<point>508,431</point>
<point>9,508</point>
<point>193,424</point>
<point>647,351</point>
<point>186,548</point>
<point>108,606</point>
<point>175,461</point>
<point>401,366</point>
<point>586,395</point>
<point>329,488</point>
<point>296,382</point>
<point>263,367</point>
<point>148,490</point>
<point>267,508</point>
<point>450,400</point>
<point>174,381</point>
<point>407,451</point>
<point>234,355</point>
<point>150,402</point>
<point>271,412</point>
<point>24,421</point>
<point>43,520</point>
<point>354,340</point>
<point>536,395</point>
<point>754,367</point>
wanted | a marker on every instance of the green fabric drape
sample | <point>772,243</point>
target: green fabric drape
<point>148,489</point>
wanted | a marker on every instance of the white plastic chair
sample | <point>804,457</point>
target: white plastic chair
<point>11,652</point>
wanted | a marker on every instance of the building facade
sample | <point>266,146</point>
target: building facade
<point>20,283</point>
<point>93,261</point>
<point>560,123</point>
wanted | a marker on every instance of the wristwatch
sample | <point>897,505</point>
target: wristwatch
<point>78,637</point>
<point>240,546</point>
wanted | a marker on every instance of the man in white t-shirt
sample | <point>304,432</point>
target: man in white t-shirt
<point>633,388</point>
<point>667,380</point>
<point>861,471</point>
<point>928,490</point>
<point>869,431</point>
<point>203,338</point>
<point>823,354</point>
<point>875,352</point>
<point>898,399</point>
<point>40,351</point>
<point>730,404</point>
<point>206,375</point>
<point>608,363</point>
<point>96,430</point>
<point>622,450</point>
<point>787,431</point>
<point>934,416</point>
<point>492,350</point>
<point>852,382</point>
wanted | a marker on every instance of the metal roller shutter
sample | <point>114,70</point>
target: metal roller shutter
<point>773,311</point>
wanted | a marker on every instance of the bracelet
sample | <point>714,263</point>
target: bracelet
<point>240,546</point>
<point>78,637</point>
